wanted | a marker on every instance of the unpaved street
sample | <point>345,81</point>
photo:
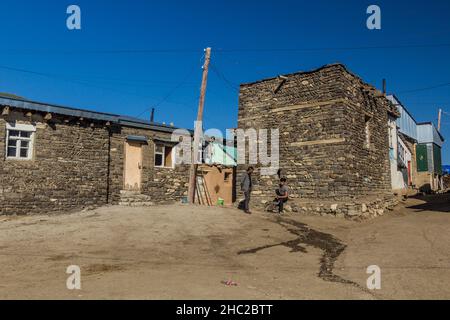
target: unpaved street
<point>185,252</point>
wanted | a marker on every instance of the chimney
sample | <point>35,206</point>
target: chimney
<point>152,115</point>
<point>384,86</point>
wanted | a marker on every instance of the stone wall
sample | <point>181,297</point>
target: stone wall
<point>163,185</point>
<point>68,169</point>
<point>321,116</point>
<point>77,165</point>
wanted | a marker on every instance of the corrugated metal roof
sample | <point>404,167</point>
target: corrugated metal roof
<point>137,138</point>
<point>82,113</point>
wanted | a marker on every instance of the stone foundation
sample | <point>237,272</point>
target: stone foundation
<point>355,209</point>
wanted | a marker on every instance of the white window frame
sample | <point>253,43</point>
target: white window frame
<point>21,128</point>
<point>163,165</point>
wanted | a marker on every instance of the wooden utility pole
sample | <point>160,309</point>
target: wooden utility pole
<point>439,119</point>
<point>198,128</point>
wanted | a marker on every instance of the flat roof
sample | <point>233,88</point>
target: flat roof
<point>83,113</point>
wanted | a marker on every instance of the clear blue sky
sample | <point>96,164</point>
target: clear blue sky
<point>86,71</point>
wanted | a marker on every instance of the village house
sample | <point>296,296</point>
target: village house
<point>334,144</point>
<point>56,158</point>
<point>421,144</point>
<point>400,155</point>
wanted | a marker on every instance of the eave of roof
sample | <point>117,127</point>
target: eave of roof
<point>403,106</point>
<point>83,113</point>
<point>432,126</point>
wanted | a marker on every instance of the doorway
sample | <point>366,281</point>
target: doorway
<point>133,166</point>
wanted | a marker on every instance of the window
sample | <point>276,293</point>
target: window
<point>19,141</point>
<point>367,131</point>
<point>163,155</point>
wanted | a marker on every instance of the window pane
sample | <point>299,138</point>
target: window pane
<point>12,151</point>
<point>12,143</point>
<point>25,134</point>
<point>23,153</point>
<point>159,148</point>
<point>13,133</point>
<point>158,160</point>
<point>24,144</point>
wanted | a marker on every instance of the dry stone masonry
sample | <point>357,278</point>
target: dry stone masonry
<point>79,163</point>
<point>334,147</point>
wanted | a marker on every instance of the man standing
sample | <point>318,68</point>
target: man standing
<point>282,195</point>
<point>246,187</point>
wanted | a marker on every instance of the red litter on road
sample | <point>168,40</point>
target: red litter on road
<point>229,283</point>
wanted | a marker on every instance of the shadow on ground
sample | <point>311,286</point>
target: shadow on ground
<point>433,202</point>
<point>331,247</point>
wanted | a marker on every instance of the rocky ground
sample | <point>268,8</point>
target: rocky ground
<point>188,252</point>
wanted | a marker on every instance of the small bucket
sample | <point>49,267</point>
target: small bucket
<point>220,202</point>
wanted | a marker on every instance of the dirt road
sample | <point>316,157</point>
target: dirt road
<point>185,252</point>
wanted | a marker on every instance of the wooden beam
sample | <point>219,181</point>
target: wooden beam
<point>317,142</point>
<point>328,103</point>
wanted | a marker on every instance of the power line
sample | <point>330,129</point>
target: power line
<point>112,51</point>
<point>407,46</point>
<point>171,92</point>
<point>426,88</point>
<point>68,79</point>
<point>221,76</point>
<point>220,50</point>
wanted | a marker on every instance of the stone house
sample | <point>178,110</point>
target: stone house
<point>333,140</point>
<point>55,158</point>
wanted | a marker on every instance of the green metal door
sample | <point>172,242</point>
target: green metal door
<point>422,158</point>
<point>437,161</point>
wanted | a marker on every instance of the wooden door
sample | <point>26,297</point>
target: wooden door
<point>133,166</point>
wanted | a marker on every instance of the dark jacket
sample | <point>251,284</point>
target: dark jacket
<point>246,183</point>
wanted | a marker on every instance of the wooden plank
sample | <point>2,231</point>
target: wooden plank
<point>309,105</point>
<point>317,142</point>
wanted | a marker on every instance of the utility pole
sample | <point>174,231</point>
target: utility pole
<point>198,128</point>
<point>439,119</point>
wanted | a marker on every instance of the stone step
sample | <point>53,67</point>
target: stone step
<point>136,204</point>
<point>129,192</point>
<point>134,199</point>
